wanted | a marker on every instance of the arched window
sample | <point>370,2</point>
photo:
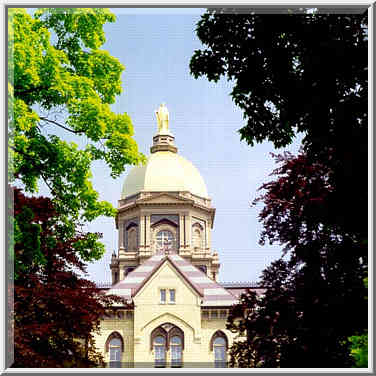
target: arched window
<point>167,341</point>
<point>176,351</point>
<point>219,346</point>
<point>197,236</point>
<point>158,342</point>
<point>131,235</point>
<point>159,345</point>
<point>132,239</point>
<point>115,346</point>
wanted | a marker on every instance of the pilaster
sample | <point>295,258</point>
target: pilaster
<point>142,233</point>
<point>208,235</point>
<point>147,227</point>
<point>121,235</point>
<point>188,230</point>
<point>121,272</point>
<point>181,231</point>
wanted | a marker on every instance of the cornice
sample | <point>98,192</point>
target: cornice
<point>182,202</point>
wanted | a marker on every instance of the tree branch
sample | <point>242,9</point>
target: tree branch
<point>28,91</point>
<point>61,125</point>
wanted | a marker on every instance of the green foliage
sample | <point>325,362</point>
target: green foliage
<point>61,85</point>
<point>359,344</point>
<point>359,350</point>
<point>306,74</point>
<point>27,234</point>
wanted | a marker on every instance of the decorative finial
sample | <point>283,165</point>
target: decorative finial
<point>162,119</point>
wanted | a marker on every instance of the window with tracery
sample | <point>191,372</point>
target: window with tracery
<point>167,343</point>
<point>160,351</point>
<point>176,351</point>
<point>165,241</point>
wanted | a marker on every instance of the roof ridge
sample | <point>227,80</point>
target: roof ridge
<point>212,292</point>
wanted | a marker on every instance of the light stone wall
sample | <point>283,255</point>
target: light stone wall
<point>125,328</point>
<point>149,314</point>
<point>208,328</point>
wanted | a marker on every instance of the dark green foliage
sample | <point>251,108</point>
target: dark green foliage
<point>302,73</point>
<point>359,349</point>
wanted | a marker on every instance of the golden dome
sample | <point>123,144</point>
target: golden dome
<point>165,171</point>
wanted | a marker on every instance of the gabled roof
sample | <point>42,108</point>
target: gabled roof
<point>211,293</point>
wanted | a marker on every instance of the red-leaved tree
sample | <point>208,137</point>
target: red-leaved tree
<point>315,294</point>
<point>56,311</point>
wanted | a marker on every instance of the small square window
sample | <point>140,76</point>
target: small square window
<point>129,314</point>
<point>163,296</point>
<point>172,296</point>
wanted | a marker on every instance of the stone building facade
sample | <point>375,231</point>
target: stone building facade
<point>166,268</point>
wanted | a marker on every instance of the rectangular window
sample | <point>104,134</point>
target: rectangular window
<point>223,314</point>
<point>115,354</point>
<point>205,315</point>
<point>172,296</point>
<point>214,314</point>
<point>163,296</point>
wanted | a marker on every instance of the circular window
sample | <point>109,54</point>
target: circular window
<point>165,240</point>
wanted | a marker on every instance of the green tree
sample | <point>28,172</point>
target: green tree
<point>299,73</point>
<point>359,344</point>
<point>61,85</point>
<point>359,350</point>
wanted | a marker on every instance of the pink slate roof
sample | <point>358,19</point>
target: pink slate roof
<point>211,293</point>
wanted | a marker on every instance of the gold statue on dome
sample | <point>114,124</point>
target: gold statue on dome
<point>162,119</point>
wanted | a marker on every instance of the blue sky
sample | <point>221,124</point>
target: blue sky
<point>156,45</point>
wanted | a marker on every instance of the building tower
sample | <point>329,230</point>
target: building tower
<point>164,209</point>
<point>173,311</point>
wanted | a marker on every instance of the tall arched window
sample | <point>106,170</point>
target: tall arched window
<point>176,351</point>
<point>159,345</point>
<point>131,235</point>
<point>132,239</point>
<point>197,236</point>
<point>167,343</point>
<point>115,346</point>
<point>219,352</point>
<point>219,346</point>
